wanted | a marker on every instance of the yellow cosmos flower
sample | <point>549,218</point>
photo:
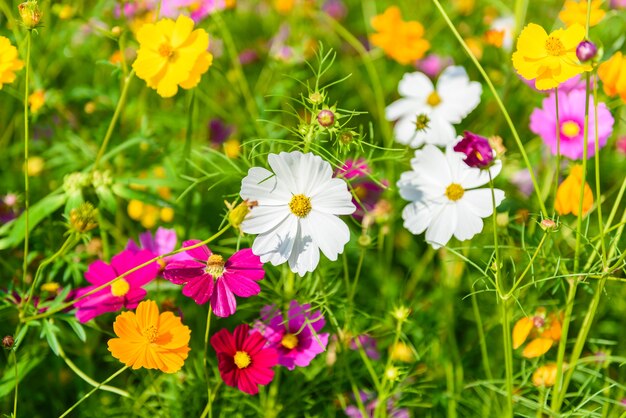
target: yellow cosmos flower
<point>149,339</point>
<point>549,59</point>
<point>402,41</point>
<point>545,330</point>
<point>9,62</point>
<point>575,12</point>
<point>37,100</point>
<point>545,376</point>
<point>613,76</point>
<point>568,194</point>
<point>171,55</point>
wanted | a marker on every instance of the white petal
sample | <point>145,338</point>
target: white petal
<point>442,226</point>
<point>276,246</point>
<point>305,255</point>
<point>329,233</point>
<point>416,85</point>
<point>261,185</point>
<point>404,130</point>
<point>479,201</point>
<point>439,131</point>
<point>334,198</point>
<point>417,217</point>
<point>474,177</point>
<point>264,218</point>
<point>404,107</point>
<point>285,165</point>
<point>312,174</point>
<point>459,95</point>
<point>408,190</point>
<point>469,224</point>
<point>432,167</point>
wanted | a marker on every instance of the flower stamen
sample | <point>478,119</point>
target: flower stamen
<point>570,129</point>
<point>300,205</point>
<point>242,359</point>
<point>151,333</point>
<point>215,266</point>
<point>120,288</point>
<point>454,192</point>
<point>433,99</point>
<point>289,341</point>
<point>422,122</point>
<point>554,46</point>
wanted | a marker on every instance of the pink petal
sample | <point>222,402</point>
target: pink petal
<point>261,375</point>
<point>254,343</point>
<point>241,334</point>
<point>266,358</point>
<point>223,301</point>
<point>99,273</point>
<point>199,289</point>
<point>201,253</point>
<point>223,342</point>
<point>180,272</point>
<point>245,383</point>
<point>240,285</point>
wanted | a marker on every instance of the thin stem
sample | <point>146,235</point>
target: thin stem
<point>116,115</point>
<point>88,379</point>
<point>26,179</point>
<point>530,263</point>
<point>505,112</point>
<point>17,381</point>
<point>121,276</point>
<point>204,357</point>
<point>81,400</point>
<point>481,338</point>
<point>382,391</point>
<point>557,170</point>
<point>571,295</point>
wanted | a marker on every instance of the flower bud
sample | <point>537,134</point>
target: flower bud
<point>8,341</point>
<point>239,213</point>
<point>477,150</point>
<point>316,98</point>
<point>548,225</point>
<point>84,217</point>
<point>326,118</point>
<point>30,13</point>
<point>586,51</point>
<point>401,313</point>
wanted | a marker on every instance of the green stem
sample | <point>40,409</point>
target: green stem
<point>507,117</point>
<point>530,263</point>
<point>81,400</point>
<point>26,179</point>
<point>67,244</point>
<point>121,276</point>
<point>17,381</point>
<point>481,338</point>
<point>508,354</point>
<point>116,115</point>
<point>204,357</point>
<point>382,390</point>
<point>88,379</point>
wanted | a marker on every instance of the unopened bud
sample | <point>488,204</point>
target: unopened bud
<point>401,313</point>
<point>30,13</point>
<point>586,51</point>
<point>84,217</point>
<point>8,341</point>
<point>548,225</point>
<point>326,118</point>
<point>239,213</point>
<point>316,98</point>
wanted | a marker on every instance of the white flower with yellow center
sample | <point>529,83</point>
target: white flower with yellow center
<point>425,114</point>
<point>445,196</point>
<point>295,211</point>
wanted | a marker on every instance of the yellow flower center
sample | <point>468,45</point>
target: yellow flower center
<point>166,50</point>
<point>289,341</point>
<point>454,192</point>
<point>195,6</point>
<point>300,205</point>
<point>151,333</point>
<point>215,265</point>
<point>433,99</point>
<point>554,46</point>
<point>120,288</point>
<point>570,129</point>
<point>242,359</point>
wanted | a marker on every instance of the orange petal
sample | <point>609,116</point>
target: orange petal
<point>521,330</point>
<point>537,347</point>
<point>147,315</point>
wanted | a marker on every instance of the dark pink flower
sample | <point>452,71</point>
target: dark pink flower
<point>243,360</point>
<point>163,242</point>
<point>478,152</point>
<point>206,276</point>
<point>296,338</point>
<point>126,292</point>
<point>368,343</point>
<point>432,65</point>
<point>366,191</point>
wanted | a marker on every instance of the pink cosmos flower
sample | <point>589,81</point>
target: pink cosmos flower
<point>163,242</point>
<point>296,338</point>
<point>572,122</point>
<point>370,403</point>
<point>243,360</point>
<point>368,343</point>
<point>367,191</point>
<point>621,145</point>
<point>207,276</point>
<point>432,65</point>
<point>124,293</point>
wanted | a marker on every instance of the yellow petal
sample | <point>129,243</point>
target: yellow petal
<point>521,330</point>
<point>537,347</point>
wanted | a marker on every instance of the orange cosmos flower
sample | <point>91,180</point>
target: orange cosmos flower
<point>549,59</point>
<point>402,41</point>
<point>613,75</point>
<point>545,376</point>
<point>575,12</point>
<point>545,332</point>
<point>568,194</point>
<point>149,340</point>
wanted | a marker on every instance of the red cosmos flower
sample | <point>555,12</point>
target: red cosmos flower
<point>243,361</point>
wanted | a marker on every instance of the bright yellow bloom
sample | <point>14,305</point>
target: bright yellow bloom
<point>549,59</point>
<point>402,41</point>
<point>147,339</point>
<point>172,54</point>
<point>9,62</point>
<point>37,100</point>
<point>494,37</point>
<point>35,166</point>
<point>545,376</point>
<point>613,75</point>
<point>568,194</point>
<point>232,148</point>
<point>401,352</point>
<point>283,6</point>
<point>576,12</point>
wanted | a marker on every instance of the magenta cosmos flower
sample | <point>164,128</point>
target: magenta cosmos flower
<point>243,360</point>
<point>366,192</point>
<point>572,123</point>
<point>163,242</point>
<point>207,276</point>
<point>126,292</point>
<point>477,150</point>
<point>296,338</point>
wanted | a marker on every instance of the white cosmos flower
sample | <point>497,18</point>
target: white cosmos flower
<point>444,195</point>
<point>425,114</point>
<point>296,211</point>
